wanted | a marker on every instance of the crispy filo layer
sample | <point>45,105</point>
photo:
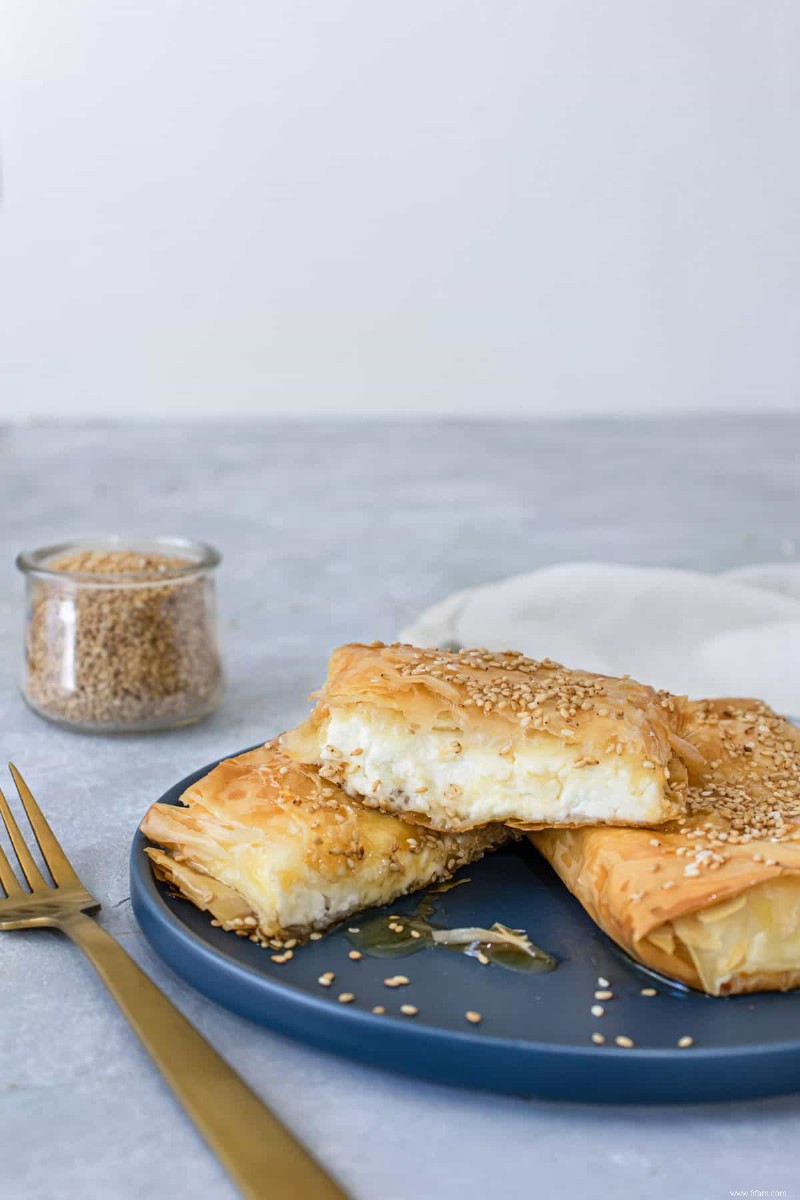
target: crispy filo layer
<point>712,900</point>
<point>274,851</point>
<point>459,740</point>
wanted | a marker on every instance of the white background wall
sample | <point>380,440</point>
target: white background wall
<point>383,206</point>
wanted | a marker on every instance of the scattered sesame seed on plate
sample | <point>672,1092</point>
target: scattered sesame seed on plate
<point>315,936</point>
<point>625,1042</point>
<point>597,1010</point>
<point>473,1017</point>
<point>601,982</point>
<point>350,931</point>
<point>346,997</point>
<point>355,955</point>
<point>379,1010</point>
<point>598,1039</point>
<point>408,1010</point>
<point>685,1042</point>
<point>648,992</point>
<point>326,979</point>
<point>604,995</point>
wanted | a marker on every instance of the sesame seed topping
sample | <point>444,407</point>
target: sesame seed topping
<point>408,1010</point>
<point>355,955</point>
<point>327,979</point>
<point>315,936</point>
<point>598,1039</point>
<point>648,992</point>
<point>597,1010</point>
<point>626,1042</point>
<point>601,982</point>
<point>473,1017</point>
<point>346,997</point>
<point>396,981</point>
<point>604,995</point>
<point>379,1010</point>
<point>685,1042</point>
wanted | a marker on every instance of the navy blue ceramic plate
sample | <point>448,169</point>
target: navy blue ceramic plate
<point>535,1036</point>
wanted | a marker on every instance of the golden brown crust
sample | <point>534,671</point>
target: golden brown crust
<point>739,835</point>
<point>509,703</point>
<point>272,850</point>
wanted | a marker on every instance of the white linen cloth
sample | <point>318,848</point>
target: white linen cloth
<point>734,634</point>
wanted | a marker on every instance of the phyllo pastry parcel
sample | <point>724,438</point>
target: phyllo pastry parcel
<point>712,899</point>
<point>459,740</point>
<point>272,850</point>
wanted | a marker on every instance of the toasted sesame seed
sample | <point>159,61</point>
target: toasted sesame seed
<point>604,995</point>
<point>685,1042</point>
<point>315,936</point>
<point>648,992</point>
<point>623,1041</point>
<point>346,997</point>
<point>355,955</point>
<point>354,930</point>
<point>473,1017</point>
<point>327,979</point>
<point>408,1010</point>
<point>597,1010</point>
<point>415,933</point>
<point>601,982</point>
<point>598,1039</point>
<point>379,1010</point>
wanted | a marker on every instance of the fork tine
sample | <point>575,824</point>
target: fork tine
<point>8,880</point>
<point>29,868</point>
<point>58,864</point>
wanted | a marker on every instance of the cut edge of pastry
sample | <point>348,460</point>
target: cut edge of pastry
<point>276,853</point>
<point>456,741</point>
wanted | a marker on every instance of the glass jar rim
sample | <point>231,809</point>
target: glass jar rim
<point>203,556</point>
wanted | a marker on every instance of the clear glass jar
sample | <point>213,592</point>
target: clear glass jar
<point>121,633</point>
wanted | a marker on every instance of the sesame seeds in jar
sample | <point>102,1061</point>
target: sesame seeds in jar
<point>121,635</point>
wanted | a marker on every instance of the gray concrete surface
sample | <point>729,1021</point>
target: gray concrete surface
<point>331,532</point>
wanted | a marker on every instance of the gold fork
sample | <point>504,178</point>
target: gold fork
<point>261,1156</point>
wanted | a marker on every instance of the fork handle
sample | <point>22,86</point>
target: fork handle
<point>261,1156</point>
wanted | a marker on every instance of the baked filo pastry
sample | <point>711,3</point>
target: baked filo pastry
<point>712,900</point>
<point>272,850</point>
<point>457,740</point>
